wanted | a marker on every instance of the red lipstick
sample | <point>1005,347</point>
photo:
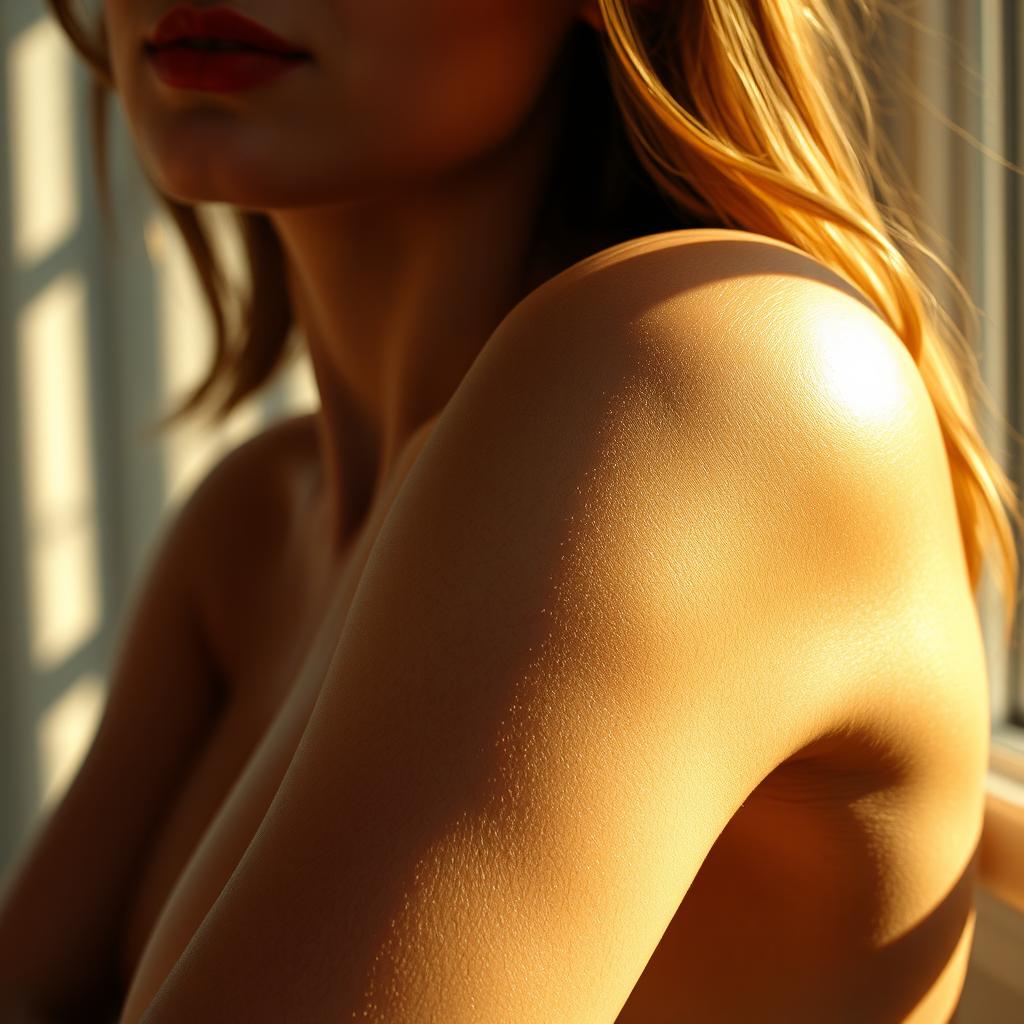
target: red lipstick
<point>218,50</point>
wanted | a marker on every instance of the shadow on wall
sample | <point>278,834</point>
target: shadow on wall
<point>99,335</point>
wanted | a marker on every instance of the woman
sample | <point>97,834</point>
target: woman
<point>603,647</point>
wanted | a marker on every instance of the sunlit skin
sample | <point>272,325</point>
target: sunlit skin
<point>731,478</point>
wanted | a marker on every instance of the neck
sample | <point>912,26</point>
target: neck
<point>396,295</point>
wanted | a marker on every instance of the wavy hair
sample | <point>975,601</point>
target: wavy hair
<point>751,114</point>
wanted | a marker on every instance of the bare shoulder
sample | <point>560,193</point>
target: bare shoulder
<point>813,492</point>
<point>733,309</point>
<point>237,518</point>
<point>798,406</point>
<point>733,301</point>
<point>257,478</point>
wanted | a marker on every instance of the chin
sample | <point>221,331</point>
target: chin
<point>246,192</point>
<point>188,182</point>
<point>189,175</point>
<point>197,170</point>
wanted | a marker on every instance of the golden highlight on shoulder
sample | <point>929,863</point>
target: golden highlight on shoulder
<point>725,310</point>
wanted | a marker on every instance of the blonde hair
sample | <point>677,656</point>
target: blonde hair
<point>753,114</point>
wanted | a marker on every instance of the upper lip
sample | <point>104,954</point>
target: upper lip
<point>181,23</point>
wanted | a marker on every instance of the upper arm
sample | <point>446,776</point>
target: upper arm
<point>626,578</point>
<point>64,904</point>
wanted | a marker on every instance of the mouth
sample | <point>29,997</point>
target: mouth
<point>218,31</point>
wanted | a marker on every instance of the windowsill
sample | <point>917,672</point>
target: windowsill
<point>1001,867</point>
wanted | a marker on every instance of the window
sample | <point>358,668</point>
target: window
<point>956,117</point>
<point>1013,35</point>
<point>950,78</point>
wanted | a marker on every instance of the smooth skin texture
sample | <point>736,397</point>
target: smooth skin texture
<point>656,546</point>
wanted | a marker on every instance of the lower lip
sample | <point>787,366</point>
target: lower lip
<point>219,71</point>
